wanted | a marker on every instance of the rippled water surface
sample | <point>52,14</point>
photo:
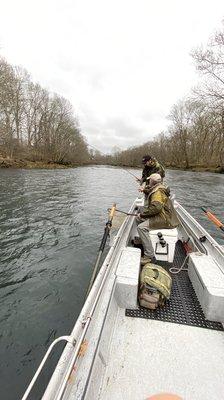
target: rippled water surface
<point>51,224</point>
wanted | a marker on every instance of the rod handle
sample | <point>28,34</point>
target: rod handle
<point>112,211</point>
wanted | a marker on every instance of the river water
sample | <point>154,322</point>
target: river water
<point>51,225</point>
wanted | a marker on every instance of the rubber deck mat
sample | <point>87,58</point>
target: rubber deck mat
<point>183,306</point>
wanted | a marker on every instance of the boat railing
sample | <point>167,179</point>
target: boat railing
<point>77,336</point>
<point>207,244</point>
<point>68,339</point>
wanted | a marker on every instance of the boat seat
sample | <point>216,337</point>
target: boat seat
<point>208,281</point>
<point>126,290</point>
<point>163,243</point>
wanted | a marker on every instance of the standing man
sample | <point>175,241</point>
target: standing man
<point>151,166</point>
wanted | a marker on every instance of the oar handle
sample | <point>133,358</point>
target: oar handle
<point>112,212</point>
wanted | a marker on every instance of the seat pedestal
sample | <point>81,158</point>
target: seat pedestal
<point>163,243</point>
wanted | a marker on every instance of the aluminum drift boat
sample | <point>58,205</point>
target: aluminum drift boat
<point>118,350</point>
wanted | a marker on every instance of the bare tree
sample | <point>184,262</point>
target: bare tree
<point>36,124</point>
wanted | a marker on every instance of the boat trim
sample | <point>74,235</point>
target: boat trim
<point>82,322</point>
<point>200,237</point>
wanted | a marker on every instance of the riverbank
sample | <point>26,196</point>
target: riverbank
<point>193,168</point>
<point>217,170</point>
<point>27,164</point>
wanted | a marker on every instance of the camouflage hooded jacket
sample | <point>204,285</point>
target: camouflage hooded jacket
<point>154,169</point>
<point>160,210</point>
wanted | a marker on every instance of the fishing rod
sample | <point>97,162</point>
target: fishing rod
<point>213,218</point>
<point>102,245</point>
<point>131,174</point>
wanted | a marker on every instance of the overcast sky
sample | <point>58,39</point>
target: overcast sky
<point>121,63</point>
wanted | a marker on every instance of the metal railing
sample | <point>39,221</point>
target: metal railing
<point>97,286</point>
<point>68,339</point>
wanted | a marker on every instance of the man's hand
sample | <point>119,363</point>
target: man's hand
<point>138,217</point>
<point>141,189</point>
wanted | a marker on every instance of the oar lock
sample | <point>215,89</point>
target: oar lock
<point>161,239</point>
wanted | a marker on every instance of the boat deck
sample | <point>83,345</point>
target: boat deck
<point>166,350</point>
<point>149,357</point>
<point>183,306</point>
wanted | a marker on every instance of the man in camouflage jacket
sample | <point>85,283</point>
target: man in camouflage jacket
<point>158,213</point>
<point>151,166</point>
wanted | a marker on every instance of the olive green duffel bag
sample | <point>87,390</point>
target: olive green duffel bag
<point>155,286</point>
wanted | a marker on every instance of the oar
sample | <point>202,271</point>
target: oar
<point>102,245</point>
<point>213,218</point>
<point>123,212</point>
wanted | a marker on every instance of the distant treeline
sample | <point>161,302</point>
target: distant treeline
<point>34,124</point>
<point>195,137</point>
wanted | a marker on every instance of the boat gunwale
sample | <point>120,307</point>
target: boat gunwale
<point>203,240</point>
<point>83,321</point>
